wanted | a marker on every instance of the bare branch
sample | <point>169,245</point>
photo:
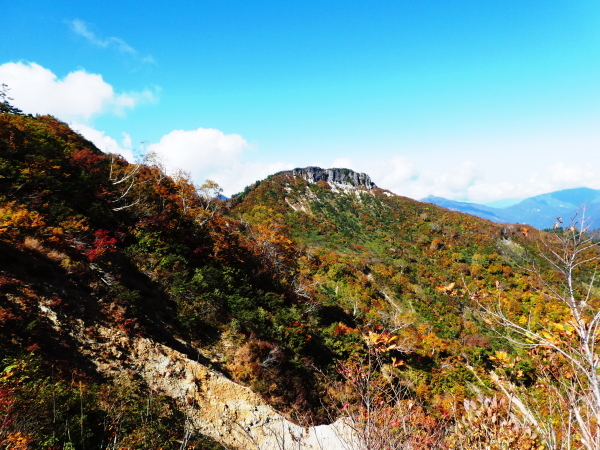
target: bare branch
<point>570,345</point>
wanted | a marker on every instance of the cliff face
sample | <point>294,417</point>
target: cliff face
<point>340,177</point>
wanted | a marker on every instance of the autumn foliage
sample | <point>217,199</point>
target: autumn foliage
<point>365,303</point>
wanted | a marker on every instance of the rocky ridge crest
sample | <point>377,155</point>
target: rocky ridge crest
<point>344,178</point>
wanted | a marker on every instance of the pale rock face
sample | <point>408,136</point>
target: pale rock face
<point>215,406</point>
<point>343,178</point>
<point>231,414</point>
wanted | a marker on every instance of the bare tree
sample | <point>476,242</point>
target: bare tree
<point>209,195</point>
<point>127,177</point>
<point>377,408</point>
<point>564,403</point>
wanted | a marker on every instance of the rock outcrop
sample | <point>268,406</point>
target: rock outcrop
<point>231,414</point>
<point>215,406</point>
<point>344,178</point>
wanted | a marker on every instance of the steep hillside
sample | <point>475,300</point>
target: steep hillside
<point>419,279</point>
<point>135,307</point>
<point>402,249</point>
<point>90,242</point>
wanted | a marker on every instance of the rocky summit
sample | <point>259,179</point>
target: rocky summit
<point>341,177</point>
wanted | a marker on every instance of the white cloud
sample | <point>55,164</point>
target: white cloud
<point>79,96</point>
<point>126,142</point>
<point>561,174</point>
<point>207,153</point>
<point>468,181</point>
<point>453,182</point>
<point>199,150</point>
<point>459,178</point>
<point>554,177</point>
<point>237,176</point>
<point>343,163</point>
<point>80,28</point>
<point>104,142</point>
<point>396,171</point>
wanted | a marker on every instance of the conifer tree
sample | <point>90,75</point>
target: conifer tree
<point>5,106</point>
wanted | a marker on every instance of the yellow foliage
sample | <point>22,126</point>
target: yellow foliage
<point>448,288</point>
<point>501,358</point>
<point>383,342</point>
<point>17,441</point>
<point>75,225</point>
<point>15,217</point>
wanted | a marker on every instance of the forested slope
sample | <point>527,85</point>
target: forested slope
<point>296,289</point>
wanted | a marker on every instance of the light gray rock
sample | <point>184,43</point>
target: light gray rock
<point>338,177</point>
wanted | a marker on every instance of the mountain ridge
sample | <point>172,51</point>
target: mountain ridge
<point>336,176</point>
<point>539,211</point>
<point>143,302</point>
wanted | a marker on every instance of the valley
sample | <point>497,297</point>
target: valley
<point>312,310</point>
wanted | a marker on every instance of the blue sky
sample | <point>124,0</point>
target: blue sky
<point>471,100</point>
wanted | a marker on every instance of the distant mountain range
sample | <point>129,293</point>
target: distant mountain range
<point>540,211</point>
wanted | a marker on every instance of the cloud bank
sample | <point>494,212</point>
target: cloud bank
<point>228,159</point>
<point>79,96</point>
<point>106,143</point>
<point>240,174</point>
<point>469,181</point>
<point>208,153</point>
<point>200,149</point>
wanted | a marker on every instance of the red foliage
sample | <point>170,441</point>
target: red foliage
<point>102,244</point>
<point>7,402</point>
<point>86,159</point>
<point>342,330</point>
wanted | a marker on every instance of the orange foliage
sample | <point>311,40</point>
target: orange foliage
<point>15,219</point>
